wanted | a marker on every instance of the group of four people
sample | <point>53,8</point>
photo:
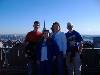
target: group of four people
<point>49,53</point>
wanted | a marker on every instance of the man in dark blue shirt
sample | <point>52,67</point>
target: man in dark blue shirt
<point>74,48</point>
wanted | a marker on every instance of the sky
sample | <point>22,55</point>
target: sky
<point>18,16</point>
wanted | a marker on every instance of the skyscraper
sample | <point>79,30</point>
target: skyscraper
<point>44,28</point>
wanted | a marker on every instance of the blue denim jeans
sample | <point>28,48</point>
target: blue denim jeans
<point>75,66</point>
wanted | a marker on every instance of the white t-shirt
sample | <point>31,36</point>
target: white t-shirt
<point>44,53</point>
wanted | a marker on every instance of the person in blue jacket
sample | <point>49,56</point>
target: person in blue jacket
<point>46,52</point>
<point>60,38</point>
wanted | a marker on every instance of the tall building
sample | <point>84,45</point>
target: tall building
<point>44,28</point>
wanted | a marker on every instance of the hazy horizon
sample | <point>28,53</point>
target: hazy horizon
<point>17,16</point>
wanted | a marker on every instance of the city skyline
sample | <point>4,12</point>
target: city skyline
<point>17,16</point>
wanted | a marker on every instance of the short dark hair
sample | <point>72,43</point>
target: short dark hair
<point>55,24</point>
<point>45,30</point>
<point>36,23</point>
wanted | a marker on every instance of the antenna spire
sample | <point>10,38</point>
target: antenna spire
<point>44,28</point>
